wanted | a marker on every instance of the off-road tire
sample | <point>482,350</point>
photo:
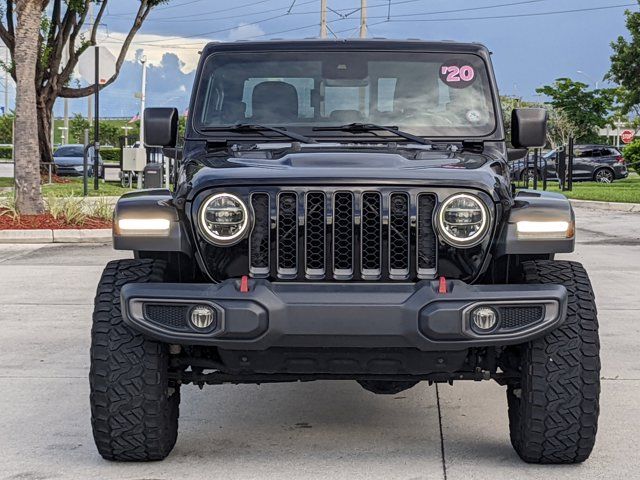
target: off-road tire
<point>134,408</point>
<point>553,409</point>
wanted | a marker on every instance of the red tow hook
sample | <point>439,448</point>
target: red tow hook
<point>443,285</point>
<point>244,284</point>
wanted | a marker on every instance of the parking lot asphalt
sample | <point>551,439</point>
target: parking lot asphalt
<point>319,430</point>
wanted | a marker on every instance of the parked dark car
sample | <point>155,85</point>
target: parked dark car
<point>599,163</point>
<point>69,159</point>
<point>343,211</point>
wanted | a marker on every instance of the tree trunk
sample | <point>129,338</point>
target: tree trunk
<point>27,151</point>
<point>45,119</point>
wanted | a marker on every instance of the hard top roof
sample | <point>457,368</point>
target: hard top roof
<point>348,44</point>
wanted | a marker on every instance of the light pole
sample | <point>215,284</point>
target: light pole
<point>63,134</point>
<point>126,134</point>
<point>143,95</point>
<point>589,77</point>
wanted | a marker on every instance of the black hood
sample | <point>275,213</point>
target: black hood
<point>434,168</point>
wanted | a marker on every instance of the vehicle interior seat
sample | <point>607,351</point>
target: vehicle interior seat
<point>274,102</point>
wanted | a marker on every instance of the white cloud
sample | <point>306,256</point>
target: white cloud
<point>245,32</point>
<point>155,46</point>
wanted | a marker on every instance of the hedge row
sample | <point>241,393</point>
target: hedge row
<point>109,154</point>
<point>6,152</point>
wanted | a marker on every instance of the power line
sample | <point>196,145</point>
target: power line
<point>517,15</point>
<point>393,19</point>
<point>157,9</point>
<point>213,32</point>
<point>522,2</point>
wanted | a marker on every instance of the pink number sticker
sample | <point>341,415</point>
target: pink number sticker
<point>457,76</point>
<point>467,73</point>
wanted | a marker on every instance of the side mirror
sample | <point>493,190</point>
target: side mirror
<point>529,127</point>
<point>160,127</point>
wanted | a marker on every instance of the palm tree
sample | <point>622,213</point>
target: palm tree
<point>27,149</point>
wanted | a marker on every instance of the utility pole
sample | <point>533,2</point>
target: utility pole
<point>323,18</point>
<point>90,97</point>
<point>65,59</point>
<point>6,81</point>
<point>363,18</point>
<point>143,97</point>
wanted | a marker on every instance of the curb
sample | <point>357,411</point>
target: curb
<point>607,206</point>
<point>85,235</point>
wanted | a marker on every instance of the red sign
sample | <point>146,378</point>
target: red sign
<point>627,136</point>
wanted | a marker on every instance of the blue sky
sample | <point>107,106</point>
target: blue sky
<point>530,49</point>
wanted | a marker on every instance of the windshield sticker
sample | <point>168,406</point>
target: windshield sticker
<point>473,116</point>
<point>457,76</point>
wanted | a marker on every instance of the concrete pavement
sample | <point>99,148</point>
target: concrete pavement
<point>323,430</point>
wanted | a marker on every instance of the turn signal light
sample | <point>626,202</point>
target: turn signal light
<point>543,230</point>
<point>143,226</point>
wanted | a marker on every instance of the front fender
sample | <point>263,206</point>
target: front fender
<point>156,204</point>
<point>537,206</point>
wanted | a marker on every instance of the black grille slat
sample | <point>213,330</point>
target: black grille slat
<point>287,233</point>
<point>342,234</point>
<point>399,234</point>
<point>260,236</point>
<point>315,235</point>
<point>427,248</point>
<point>371,236</point>
<point>343,224</point>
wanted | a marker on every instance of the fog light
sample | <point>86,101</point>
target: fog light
<point>484,318</point>
<point>202,316</point>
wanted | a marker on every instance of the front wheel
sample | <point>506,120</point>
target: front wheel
<point>134,406</point>
<point>604,175</point>
<point>553,408</point>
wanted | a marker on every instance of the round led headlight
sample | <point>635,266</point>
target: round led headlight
<point>463,220</point>
<point>223,219</point>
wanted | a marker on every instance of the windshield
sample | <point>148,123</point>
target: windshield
<point>70,151</point>
<point>427,94</point>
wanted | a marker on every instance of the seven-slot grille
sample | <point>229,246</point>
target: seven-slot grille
<point>343,234</point>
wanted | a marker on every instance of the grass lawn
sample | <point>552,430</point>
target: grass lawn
<point>625,191</point>
<point>6,182</point>
<point>75,188</point>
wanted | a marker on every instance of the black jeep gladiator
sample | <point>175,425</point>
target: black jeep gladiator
<point>343,210</point>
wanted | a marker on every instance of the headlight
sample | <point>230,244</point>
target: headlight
<point>463,220</point>
<point>223,219</point>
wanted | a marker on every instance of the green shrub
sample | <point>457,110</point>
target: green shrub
<point>70,208</point>
<point>110,154</point>
<point>6,152</point>
<point>632,155</point>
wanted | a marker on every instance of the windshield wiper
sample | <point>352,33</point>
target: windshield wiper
<point>372,127</point>
<point>254,127</point>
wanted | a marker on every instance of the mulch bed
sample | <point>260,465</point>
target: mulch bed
<point>47,222</point>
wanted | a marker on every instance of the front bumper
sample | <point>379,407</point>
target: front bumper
<point>352,315</point>
<point>72,171</point>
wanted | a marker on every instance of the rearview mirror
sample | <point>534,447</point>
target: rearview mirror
<point>529,127</point>
<point>160,127</point>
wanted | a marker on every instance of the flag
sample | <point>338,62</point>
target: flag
<point>135,118</point>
